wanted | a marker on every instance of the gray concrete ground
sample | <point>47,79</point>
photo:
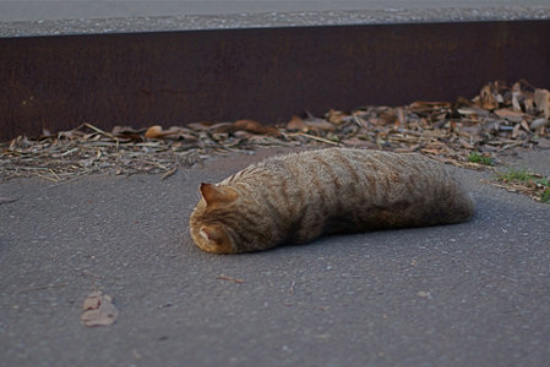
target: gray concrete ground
<point>472,294</point>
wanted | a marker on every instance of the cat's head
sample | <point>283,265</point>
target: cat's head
<point>211,221</point>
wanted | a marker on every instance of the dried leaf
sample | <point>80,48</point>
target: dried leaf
<point>542,101</point>
<point>318,124</point>
<point>486,99</point>
<point>535,124</point>
<point>296,124</point>
<point>525,126</point>
<point>178,132</point>
<point>173,133</point>
<point>200,126</point>
<point>336,117</point>
<point>222,127</point>
<point>515,131</point>
<point>255,127</point>
<point>98,310</point>
<point>463,102</point>
<point>424,107</point>
<point>465,144</point>
<point>469,111</point>
<point>510,115</point>
<point>389,117</point>
<point>516,96</point>
<point>154,132</point>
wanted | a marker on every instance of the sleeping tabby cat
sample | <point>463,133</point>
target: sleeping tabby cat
<point>295,198</point>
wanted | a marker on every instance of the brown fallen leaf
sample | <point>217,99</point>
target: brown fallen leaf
<point>542,101</point>
<point>154,132</point>
<point>178,132</point>
<point>389,117</point>
<point>317,124</point>
<point>465,144</point>
<point>486,98</point>
<point>427,106</point>
<point>510,115</point>
<point>515,131</point>
<point>336,117</point>
<point>173,133</point>
<point>517,96</point>
<point>98,310</point>
<point>463,102</point>
<point>255,127</point>
<point>535,124</point>
<point>222,128</point>
<point>200,126</point>
<point>296,123</point>
<point>473,111</point>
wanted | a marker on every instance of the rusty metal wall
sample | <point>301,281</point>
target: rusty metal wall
<point>173,78</point>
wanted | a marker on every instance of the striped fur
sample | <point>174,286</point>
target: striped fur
<point>296,198</point>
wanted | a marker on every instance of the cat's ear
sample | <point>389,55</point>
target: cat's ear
<point>217,237</point>
<point>212,233</point>
<point>213,194</point>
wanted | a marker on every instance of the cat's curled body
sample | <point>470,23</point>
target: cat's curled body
<point>295,198</point>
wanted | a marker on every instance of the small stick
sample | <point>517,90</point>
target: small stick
<point>235,280</point>
<point>103,132</point>
<point>46,177</point>
<point>55,175</point>
<point>316,138</point>
<point>96,129</point>
<point>70,151</point>
<point>359,121</point>
<point>169,173</point>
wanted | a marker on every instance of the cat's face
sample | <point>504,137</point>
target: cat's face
<point>209,221</point>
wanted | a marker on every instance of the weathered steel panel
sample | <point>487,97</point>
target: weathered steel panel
<point>173,78</point>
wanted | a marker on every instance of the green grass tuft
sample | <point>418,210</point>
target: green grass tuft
<point>475,157</point>
<point>536,185</point>
<point>515,174</point>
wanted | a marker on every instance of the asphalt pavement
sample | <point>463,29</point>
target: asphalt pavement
<point>472,294</point>
<point>65,17</point>
<point>23,10</point>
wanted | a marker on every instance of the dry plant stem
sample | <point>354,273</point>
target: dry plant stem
<point>313,137</point>
<point>234,280</point>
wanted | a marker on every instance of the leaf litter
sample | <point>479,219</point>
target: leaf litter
<point>466,133</point>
